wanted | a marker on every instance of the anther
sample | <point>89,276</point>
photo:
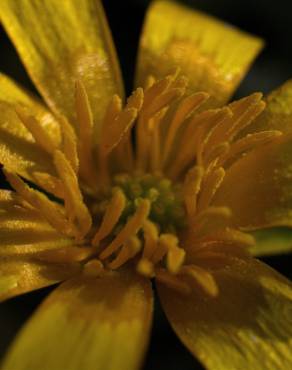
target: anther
<point>130,229</point>
<point>112,214</point>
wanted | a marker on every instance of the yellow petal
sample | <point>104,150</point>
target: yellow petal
<point>17,147</point>
<point>258,189</point>
<point>99,323</point>
<point>24,274</point>
<point>22,233</point>
<point>213,55</point>
<point>60,42</point>
<point>246,326</point>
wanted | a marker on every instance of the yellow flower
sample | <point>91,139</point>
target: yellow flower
<point>109,211</point>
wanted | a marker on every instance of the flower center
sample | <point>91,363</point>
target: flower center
<point>139,216</point>
<point>166,210</point>
<point>148,204</point>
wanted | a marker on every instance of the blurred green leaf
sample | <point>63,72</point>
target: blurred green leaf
<point>272,241</point>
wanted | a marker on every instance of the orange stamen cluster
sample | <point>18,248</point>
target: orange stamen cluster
<point>148,204</point>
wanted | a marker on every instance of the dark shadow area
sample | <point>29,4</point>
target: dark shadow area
<point>165,350</point>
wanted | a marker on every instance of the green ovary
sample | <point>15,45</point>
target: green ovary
<point>167,209</point>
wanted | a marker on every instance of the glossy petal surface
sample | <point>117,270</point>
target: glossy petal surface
<point>87,323</point>
<point>258,187</point>
<point>17,148</point>
<point>23,274</point>
<point>248,326</point>
<point>213,55</point>
<point>60,43</point>
<point>22,233</point>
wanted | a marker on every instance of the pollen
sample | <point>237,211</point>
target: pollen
<point>143,198</point>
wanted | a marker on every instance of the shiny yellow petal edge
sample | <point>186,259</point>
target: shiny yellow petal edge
<point>213,55</point>
<point>100,323</point>
<point>23,274</point>
<point>247,326</point>
<point>61,42</point>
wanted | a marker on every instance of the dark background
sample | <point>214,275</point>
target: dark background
<point>272,20</point>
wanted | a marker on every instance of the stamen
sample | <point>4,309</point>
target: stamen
<point>51,211</point>
<point>39,134</point>
<point>219,151</point>
<point>192,186</point>
<point>130,229</point>
<point>94,268</point>
<point>145,267</point>
<point>73,198</point>
<point>118,129</point>
<point>175,259</point>
<point>234,237</point>
<point>164,100</point>
<point>246,118</point>
<point>167,246</point>
<point>222,116</point>
<point>150,231</point>
<point>180,82</point>
<point>124,154</point>
<point>69,143</point>
<point>175,255</point>
<point>155,155</point>
<point>211,184</point>
<point>149,81</point>
<point>142,142</point>
<point>187,106</point>
<point>219,246</point>
<point>160,250</point>
<point>156,98</point>
<point>146,211</point>
<point>128,251</point>
<point>202,277</point>
<point>211,219</point>
<point>85,144</point>
<point>49,183</point>
<point>157,88</point>
<point>123,149</point>
<point>112,214</point>
<point>243,112</point>
<point>113,109</point>
<point>172,281</point>
<point>113,131</point>
<point>250,141</point>
<point>194,138</point>
<point>136,99</point>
